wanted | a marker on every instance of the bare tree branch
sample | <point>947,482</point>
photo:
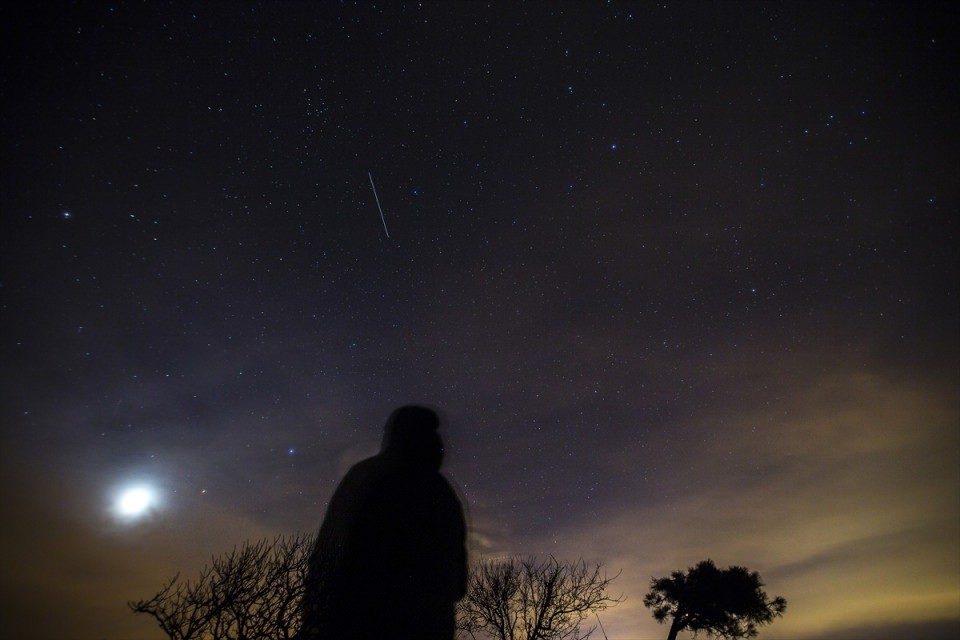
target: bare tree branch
<point>251,592</point>
<point>254,592</point>
<point>531,598</point>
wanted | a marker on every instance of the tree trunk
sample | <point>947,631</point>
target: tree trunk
<point>675,628</point>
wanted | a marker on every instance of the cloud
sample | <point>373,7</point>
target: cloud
<point>915,630</point>
<point>843,494</point>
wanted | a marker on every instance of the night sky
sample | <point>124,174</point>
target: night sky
<point>681,277</point>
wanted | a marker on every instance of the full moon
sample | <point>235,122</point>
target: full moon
<point>135,501</point>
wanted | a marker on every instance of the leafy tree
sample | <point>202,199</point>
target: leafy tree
<point>532,599</point>
<point>723,603</point>
<point>251,592</point>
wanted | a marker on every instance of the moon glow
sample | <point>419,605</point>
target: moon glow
<point>135,502</point>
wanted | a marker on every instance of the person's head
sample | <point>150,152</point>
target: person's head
<point>411,433</point>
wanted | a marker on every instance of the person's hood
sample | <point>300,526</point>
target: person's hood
<point>410,436</point>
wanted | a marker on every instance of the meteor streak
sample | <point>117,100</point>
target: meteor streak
<point>377,198</point>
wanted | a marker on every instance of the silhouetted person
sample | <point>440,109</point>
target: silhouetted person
<point>390,558</point>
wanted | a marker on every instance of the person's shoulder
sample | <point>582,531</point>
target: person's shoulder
<point>361,472</point>
<point>367,463</point>
<point>442,484</point>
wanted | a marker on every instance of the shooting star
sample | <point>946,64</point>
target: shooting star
<point>377,198</point>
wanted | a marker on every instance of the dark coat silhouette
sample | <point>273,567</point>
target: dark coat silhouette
<point>390,558</point>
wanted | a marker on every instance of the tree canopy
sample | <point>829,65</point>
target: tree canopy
<point>723,603</point>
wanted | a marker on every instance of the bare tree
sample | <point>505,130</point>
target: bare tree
<point>253,592</point>
<point>531,598</point>
<point>182,609</point>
